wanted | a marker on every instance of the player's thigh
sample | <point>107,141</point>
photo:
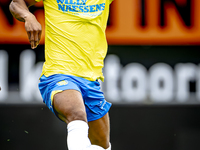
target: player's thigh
<point>99,131</point>
<point>69,106</point>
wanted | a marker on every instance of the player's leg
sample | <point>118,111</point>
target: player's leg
<point>99,131</point>
<point>69,107</point>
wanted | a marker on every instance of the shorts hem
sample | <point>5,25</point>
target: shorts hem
<point>100,116</point>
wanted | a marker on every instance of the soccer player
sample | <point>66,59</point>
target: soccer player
<point>75,47</point>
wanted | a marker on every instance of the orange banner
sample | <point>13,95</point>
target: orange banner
<point>125,23</point>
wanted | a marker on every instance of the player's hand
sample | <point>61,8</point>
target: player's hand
<point>34,30</point>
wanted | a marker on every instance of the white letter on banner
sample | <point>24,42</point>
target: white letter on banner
<point>3,75</point>
<point>112,73</point>
<point>134,82</point>
<point>184,74</point>
<point>161,83</point>
<point>29,76</point>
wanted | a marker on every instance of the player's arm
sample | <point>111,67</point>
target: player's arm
<point>19,10</point>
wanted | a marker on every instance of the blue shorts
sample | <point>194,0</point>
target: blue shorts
<point>95,103</point>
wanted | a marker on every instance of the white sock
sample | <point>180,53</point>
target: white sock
<point>78,135</point>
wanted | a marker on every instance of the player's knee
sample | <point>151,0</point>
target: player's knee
<point>76,115</point>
